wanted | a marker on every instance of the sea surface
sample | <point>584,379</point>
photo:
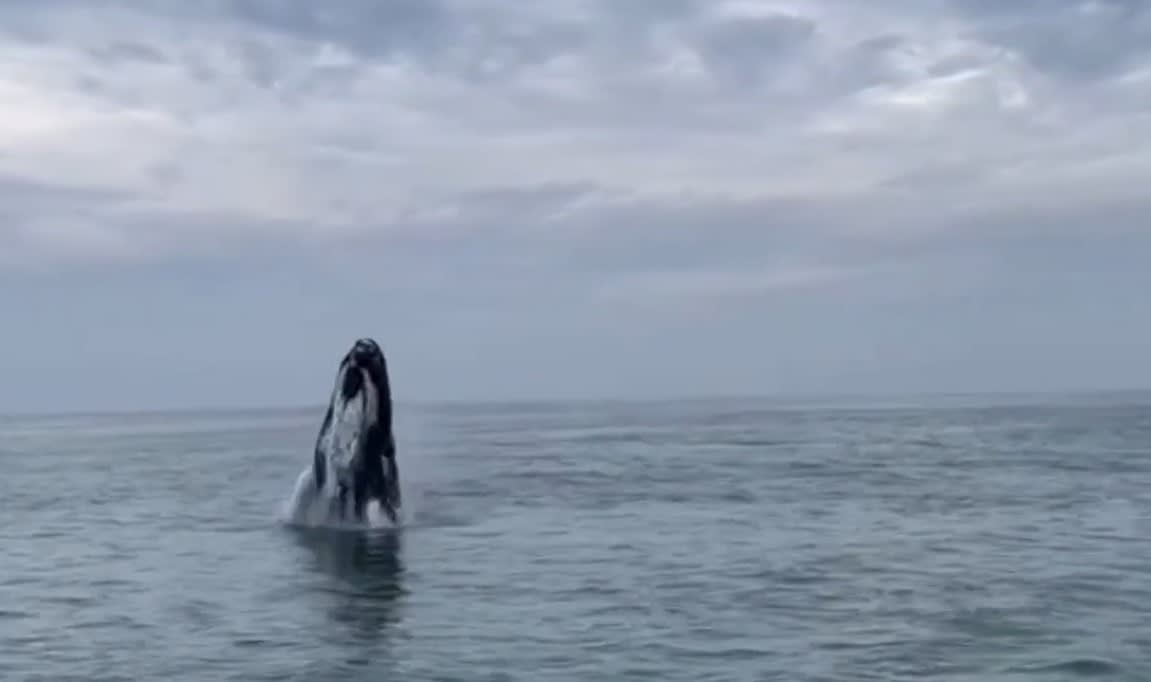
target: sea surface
<point>949,539</point>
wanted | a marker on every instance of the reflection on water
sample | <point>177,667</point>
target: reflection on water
<point>365,573</point>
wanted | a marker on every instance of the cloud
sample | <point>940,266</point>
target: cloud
<point>1073,40</point>
<point>752,140</point>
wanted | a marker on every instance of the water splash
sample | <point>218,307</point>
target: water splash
<point>306,507</point>
<point>310,508</point>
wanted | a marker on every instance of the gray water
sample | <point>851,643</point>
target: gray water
<point>676,541</point>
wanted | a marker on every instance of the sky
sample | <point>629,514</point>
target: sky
<point>205,203</point>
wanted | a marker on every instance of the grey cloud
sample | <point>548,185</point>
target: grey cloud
<point>616,46</point>
<point>935,176</point>
<point>1073,39</point>
<point>467,40</point>
<point>525,204</point>
<point>745,49</point>
<point>764,244</point>
<point>117,51</point>
<point>587,191</point>
<point>603,125</point>
<point>869,61</point>
<point>23,194</point>
<point>648,12</point>
<point>25,203</point>
<point>491,42</point>
<point>611,61</point>
<point>374,28</point>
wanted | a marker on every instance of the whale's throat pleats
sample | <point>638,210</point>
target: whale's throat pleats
<point>350,417</point>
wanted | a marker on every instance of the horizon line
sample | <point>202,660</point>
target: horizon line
<point>794,397</point>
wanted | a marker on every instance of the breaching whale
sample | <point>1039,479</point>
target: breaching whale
<point>355,451</point>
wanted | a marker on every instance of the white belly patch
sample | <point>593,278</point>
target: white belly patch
<point>350,421</point>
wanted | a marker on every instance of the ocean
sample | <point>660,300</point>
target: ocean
<point>966,538</point>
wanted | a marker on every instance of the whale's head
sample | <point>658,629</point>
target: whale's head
<point>355,449</point>
<point>363,370</point>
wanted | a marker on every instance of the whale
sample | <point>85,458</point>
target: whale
<point>354,459</point>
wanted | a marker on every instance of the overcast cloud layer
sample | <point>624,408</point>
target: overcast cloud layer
<point>203,203</point>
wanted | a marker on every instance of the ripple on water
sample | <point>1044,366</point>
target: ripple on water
<point>1080,667</point>
<point>666,542</point>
